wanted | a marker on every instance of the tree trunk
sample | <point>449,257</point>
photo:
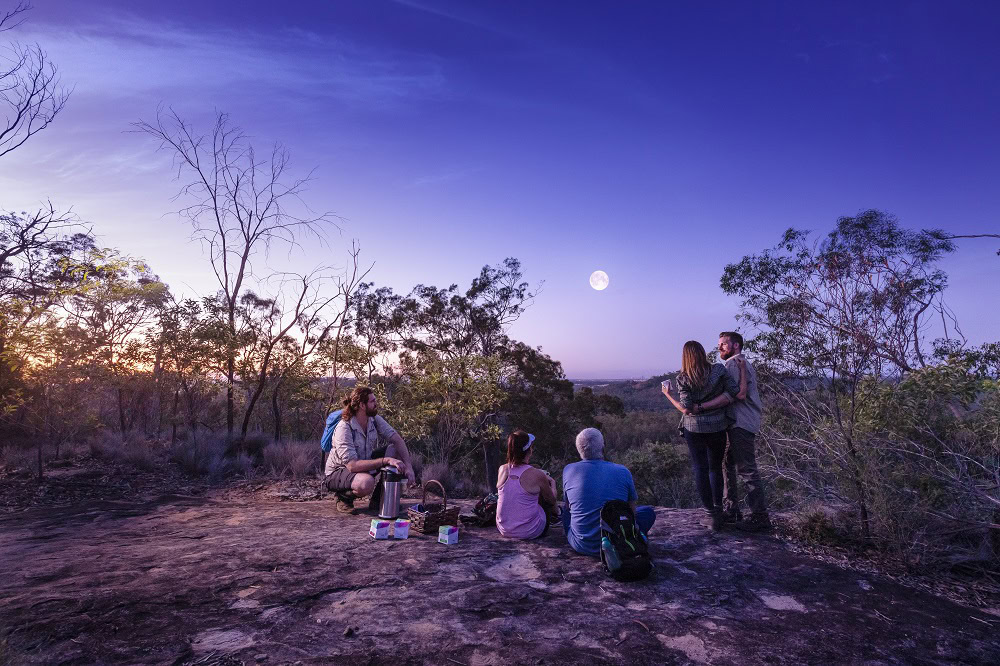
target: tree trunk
<point>173,429</point>
<point>255,396</point>
<point>121,409</point>
<point>230,404</point>
<point>40,474</point>
<point>158,386</point>
<point>492,465</point>
<point>192,421</point>
<point>859,486</point>
<point>276,410</point>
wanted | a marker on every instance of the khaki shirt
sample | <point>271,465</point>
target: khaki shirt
<point>745,413</point>
<point>351,442</point>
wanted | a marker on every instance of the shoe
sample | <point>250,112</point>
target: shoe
<point>758,522</point>
<point>345,503</point>
<point>731,517</point>
<point>716,521</point>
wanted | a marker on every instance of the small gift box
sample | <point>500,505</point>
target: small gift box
<point>379,529</point>
<point>448,534</point>
<point>401,529</point>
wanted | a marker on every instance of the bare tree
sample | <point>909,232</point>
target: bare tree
<point>30,94</point>
<point>312,310</point>
<point>243,204</point>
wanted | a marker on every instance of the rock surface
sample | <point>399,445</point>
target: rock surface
<point>192,580</point>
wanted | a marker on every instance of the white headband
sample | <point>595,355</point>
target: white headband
<point>531,438</point>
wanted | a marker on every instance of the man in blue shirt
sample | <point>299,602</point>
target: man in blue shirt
<point>587,485</point>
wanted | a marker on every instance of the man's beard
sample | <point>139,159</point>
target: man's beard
<point>371,412</point>
<point>726,356</point>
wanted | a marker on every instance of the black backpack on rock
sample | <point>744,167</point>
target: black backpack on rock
<point>624,552</point>
<point>486,509</point>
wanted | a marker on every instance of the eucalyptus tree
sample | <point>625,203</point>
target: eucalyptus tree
<point>186,359</point>
<point>39,268</point>
<point>242,204</point>
<point>840,314</point>
<point>119,297</point>
<point>311,308</point>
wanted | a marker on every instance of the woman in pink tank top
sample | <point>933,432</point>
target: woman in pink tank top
<point>526,494</point>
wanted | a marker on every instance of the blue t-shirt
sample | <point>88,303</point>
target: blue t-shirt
<point>587,485</point>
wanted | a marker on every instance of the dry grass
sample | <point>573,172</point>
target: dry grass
<point>139,453</point>
<point>295,459</point>
<point>17,458</point>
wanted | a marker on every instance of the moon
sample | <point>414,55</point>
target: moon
<point>599,280</point>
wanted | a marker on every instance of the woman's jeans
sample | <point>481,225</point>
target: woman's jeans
<point>707,450</point>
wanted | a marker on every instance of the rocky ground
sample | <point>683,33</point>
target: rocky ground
<point>243,575</point>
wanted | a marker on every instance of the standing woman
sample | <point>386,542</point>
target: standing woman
<point>704,390</point>
<point>526,494</point>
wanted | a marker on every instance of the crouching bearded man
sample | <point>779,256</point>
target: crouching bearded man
<point>356,457</point>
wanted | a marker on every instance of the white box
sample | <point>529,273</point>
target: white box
<point>379,529</point>
<point>401,529</point>
<point>448,534</point>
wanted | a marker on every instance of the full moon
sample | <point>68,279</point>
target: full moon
<point>599,280</point>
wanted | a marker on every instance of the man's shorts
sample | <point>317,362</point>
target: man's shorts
<point>340,480</point>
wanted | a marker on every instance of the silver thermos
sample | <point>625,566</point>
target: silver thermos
<point>392,491</point>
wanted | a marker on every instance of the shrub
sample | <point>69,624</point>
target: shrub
<point>203,457</point>
<point>295,459</point>
<point>662,474</point>
<point>16,458</point>
<point>818,526</point>
<point>139,453</point>
<point>439,472</point>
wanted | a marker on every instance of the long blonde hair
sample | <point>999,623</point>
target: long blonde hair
<point>694,363</point>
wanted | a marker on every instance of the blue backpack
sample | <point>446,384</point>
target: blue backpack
<point>326,441</point>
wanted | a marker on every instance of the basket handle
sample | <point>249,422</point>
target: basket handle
<point>444,498</point>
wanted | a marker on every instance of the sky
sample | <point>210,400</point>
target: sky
<point>657,141</point>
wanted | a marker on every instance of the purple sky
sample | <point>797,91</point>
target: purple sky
<point>657,141</point>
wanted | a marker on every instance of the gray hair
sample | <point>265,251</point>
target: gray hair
<point>590,444</point>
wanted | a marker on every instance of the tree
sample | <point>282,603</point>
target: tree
<point>39,267</point>
<point>186,358</point>
<point>377,323</point>
<point>30,94</point>
<point>243,205</point>
<point>840,312</point>
<point>456,323</point>
<point>117,299</point>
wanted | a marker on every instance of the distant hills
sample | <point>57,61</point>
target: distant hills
<point>638,395</point>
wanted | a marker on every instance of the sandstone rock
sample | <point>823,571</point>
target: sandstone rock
<point>184,580</point>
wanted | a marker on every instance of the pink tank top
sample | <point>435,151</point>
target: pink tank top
<point>519,515</point>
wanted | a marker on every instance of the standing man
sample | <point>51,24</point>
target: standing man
<point>745,416</point>
<point>354,459</point>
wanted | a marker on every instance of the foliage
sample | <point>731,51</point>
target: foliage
<point>841,311</point>
<point>662,473</point>
<point>861,411</point>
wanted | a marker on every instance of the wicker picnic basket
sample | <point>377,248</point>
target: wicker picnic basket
<point>427,518</point>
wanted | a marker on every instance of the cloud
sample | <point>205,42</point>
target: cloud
<point>129,57</point>
<point>453,16</point>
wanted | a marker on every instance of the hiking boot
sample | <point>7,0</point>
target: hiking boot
<point>345,503</point>
<point>716,521</point>
<point>758,522</point>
